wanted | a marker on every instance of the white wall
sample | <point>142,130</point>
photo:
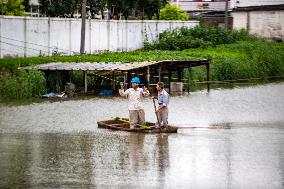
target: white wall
<point>247,3</point>
<point>268,24</point>
<point>30,36</point>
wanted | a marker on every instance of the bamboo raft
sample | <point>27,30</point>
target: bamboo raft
<point>122,124</point>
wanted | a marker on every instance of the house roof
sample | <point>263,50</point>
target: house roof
<point>260,8</point>
<point>113,66</point>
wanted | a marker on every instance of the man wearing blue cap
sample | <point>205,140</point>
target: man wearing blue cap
<point>135,97</point>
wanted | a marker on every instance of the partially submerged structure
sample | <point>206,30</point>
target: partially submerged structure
<point>109,75</point>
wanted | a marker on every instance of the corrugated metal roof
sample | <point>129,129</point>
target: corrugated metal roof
<point>101,66</point>
<point>90,66</point>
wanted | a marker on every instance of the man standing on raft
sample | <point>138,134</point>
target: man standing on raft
<point>135,97</point>
<point>163,101</point>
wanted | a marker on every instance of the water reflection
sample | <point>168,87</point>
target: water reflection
<point>201,158</point>
<point>58,145</point>
<point>163,157</point>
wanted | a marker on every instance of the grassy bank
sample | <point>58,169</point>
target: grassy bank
<point>243,60</point>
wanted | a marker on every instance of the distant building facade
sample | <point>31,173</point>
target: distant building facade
<point>262,17</point>
<point>34,8</point>
<point>199,6</point>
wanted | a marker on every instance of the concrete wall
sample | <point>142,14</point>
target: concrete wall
<point>268,24</point>
<point>218,22</point>
<point>247,3</point>
<point>29,36</point>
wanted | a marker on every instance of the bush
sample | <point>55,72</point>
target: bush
<point>22,84</point>
<point>243,60</point>
<point>197,37</point>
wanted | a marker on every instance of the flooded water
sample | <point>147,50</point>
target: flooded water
<point>228,138</point>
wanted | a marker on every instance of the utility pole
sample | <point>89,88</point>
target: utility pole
<point>83,27</point>
<point>226,15</point>
<point>2,7</point>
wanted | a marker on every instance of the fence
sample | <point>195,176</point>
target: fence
<point>28,36</point>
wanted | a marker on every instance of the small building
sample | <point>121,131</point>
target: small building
<point>264,18</point>
<point>33,8</point>
<point>212,12</point>
<point>200,6</point>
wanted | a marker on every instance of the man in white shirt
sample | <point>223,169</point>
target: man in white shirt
<point>135,97</point>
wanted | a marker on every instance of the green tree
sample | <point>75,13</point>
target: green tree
<point>125,7</point>
<point>171,12</point>
<point>44,7</point>
<point>14,8</point>
<point>148,8</point>
<point>96,7</point>
<point>59,8</point>
<point>26,3</point>
<point>70,7</point>
<point>120,7</point>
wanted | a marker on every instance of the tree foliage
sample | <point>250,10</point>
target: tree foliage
<point>171,12</point>
<point>149,7</point>
<point>96,7</point>
<point>14,8</point>
<point>59,8</point>
<point>27,6</point>
<point>117,9</point>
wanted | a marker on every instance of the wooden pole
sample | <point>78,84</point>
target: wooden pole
<point>179,75</point>
<point>189,77</point>
<point>128,79</point>
<point>83,27</point>
<point>159,72</point>
<point>226,15</point>
<point>156,113</point>
<point>86,81</point>
<point>248,21</point>
<point>208,76</point>
<point>2,7</point>
<point>125,80</point>
<point>148,76</point>
<point>113,81</point>
<point>170,78</point>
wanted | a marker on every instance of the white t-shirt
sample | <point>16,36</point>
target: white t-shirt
<point>135,97</point>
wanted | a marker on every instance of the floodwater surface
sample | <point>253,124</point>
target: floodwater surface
<point>228,138</point>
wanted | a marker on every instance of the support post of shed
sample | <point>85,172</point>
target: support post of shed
<point>128,80</point>
<point>208,76</point>
<point>86,81</point>
<point>125,80</point>
<point>179,74</point>
<point>148,76</point>
<point>113,81</point>
<point>159,73</point>
<point>189,77</point>
<point>170,78</point>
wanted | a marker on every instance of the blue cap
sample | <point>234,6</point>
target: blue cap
<point>135,80</point>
